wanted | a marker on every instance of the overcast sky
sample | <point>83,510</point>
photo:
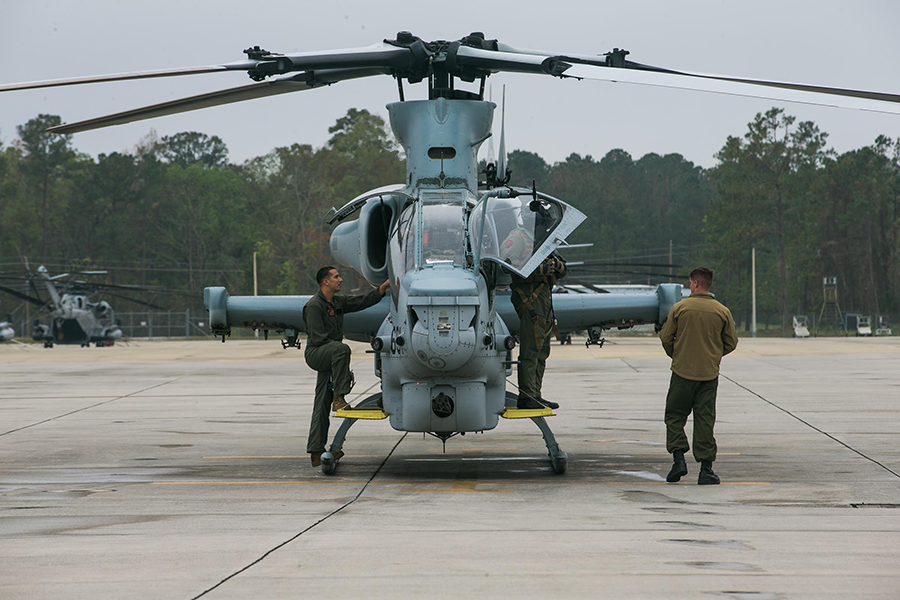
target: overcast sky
<point>827,42</point>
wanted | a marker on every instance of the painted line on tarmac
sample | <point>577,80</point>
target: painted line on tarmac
<point>322,520</point>
<point>283,457</point>
<point>92,406</point>
<point>419,482</point>
<point>463,485</point>
<point>811,426</point>
<point>473,449</point>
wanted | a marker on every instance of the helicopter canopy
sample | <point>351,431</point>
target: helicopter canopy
<point>440,217</point>
<point>519,233</point>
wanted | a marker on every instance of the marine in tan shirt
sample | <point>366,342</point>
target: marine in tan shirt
<point>697,333</point>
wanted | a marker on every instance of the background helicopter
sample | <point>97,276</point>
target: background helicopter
<point>6,330</point>
<point>73,318</point>
<point>443,341</point>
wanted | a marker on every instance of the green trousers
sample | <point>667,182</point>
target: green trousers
<point>331,361</point>
<point>686,396</point>
<point>534,340</point>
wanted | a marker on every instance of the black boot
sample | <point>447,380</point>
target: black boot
<point>526,402</point>
<point>549,403</point>
<point>679,469</point>
<point>707,477</point>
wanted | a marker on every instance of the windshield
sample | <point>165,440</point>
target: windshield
<point>515,228</point>
<point>440,216</point>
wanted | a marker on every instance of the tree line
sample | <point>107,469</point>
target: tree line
<point>176,215</point>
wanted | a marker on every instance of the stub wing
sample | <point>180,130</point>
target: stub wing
<point>573,311</point>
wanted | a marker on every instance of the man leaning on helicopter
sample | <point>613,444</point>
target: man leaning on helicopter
<point>327,354</point>
<point>532,299</point>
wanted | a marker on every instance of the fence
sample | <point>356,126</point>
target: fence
<point>162,324</point>
<point>146,325</point>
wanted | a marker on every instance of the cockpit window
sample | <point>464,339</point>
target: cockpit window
<point>517,231</point>
<point>443,226</point>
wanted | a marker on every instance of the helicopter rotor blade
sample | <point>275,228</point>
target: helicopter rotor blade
<point>613,67</point>
<point>259,64</point>
<point>21,295</point>
<point>589,286</point>
<point>282,85</point>
<point>136,301</point>
<point>31,85</point>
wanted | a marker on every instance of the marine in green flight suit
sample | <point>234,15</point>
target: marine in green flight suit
<point>532,299</point>
<point>326,353</point>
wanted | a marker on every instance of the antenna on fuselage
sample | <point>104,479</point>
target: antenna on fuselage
<point>502,174</point>
<point>490,154</point>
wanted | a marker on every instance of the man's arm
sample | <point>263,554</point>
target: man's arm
<point>358,303</point>
<point>561,268</point>
<point>729,334</point>
<point>667,335</point>
<point>314,319</point>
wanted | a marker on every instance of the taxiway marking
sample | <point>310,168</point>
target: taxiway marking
<point>418,482</point>
<point>281,457</point>
<point>465,486</point>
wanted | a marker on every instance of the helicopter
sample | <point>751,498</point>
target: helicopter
<point>6,329</point>
<point>443,339</point>
<point>73,318</point>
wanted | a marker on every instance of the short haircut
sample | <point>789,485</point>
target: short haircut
<point>703,276</point>
<point>323,274</point>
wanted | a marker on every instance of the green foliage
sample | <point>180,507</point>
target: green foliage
<point>190,147</point>
<point>810,215</point>
<point>176,214</point>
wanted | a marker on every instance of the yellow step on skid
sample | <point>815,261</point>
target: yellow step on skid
<point>511,412</point>
<point>361,413</point>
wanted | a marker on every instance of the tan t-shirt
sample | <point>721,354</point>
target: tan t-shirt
<point>698,332</point>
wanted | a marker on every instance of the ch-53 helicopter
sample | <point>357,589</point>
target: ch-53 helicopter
<point>443,339</point>
<point>74,319</point>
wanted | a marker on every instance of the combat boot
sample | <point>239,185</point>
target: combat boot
<point>526,402</point>
<point>339,403</point>
<point>549,403</point>
<point>315,458</point>
<point>679,468</point>
<point>707,477</point>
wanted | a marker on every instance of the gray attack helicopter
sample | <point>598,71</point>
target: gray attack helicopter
<point>443,339</point>
<point>74,319</point>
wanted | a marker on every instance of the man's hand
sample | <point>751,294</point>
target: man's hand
<point>384,287</point>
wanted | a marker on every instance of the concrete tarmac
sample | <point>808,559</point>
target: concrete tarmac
<point>177,470</point>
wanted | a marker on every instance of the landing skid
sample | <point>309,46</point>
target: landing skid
<point>329,464</point>
<point>559,460</point>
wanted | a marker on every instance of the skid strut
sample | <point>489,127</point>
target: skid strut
<point>367,409</point>
<point>558,459</point>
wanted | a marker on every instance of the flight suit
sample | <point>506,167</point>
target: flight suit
<point>697,333</point>
<point>531,297</point>
<point>327,354</point>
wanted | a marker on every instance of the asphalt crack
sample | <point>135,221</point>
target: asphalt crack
<point>84,408</point>
<point>811,426</point>
<point>319,522</point>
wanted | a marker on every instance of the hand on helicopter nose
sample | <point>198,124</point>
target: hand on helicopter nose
<point>384,286</point>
